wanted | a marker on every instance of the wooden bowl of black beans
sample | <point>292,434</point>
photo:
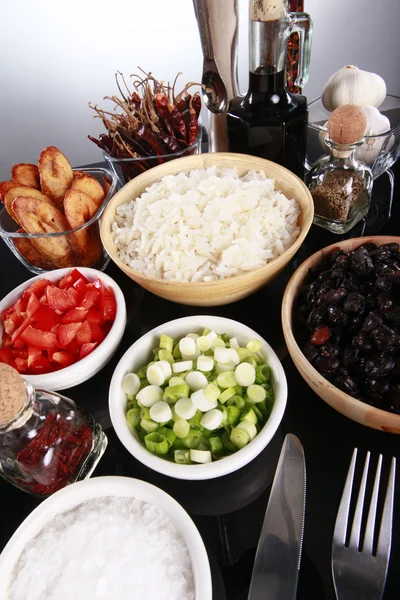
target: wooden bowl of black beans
<point>341,322</point>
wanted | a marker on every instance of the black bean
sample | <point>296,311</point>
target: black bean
<point>371,322</point>
<point>327,365</point>
<point>361,263</point>
<point>379,366</point>
<point>384,302</point>
<point>346,383</point>
<point>392,246</point>
<point>310,351</point>
<point>354,303</point>
<point>386,340</point>
<point>383,285</point>
<point>334,296</point>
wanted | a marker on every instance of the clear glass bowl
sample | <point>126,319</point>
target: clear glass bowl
<point>126,169</point>
<point>9,230</point>
<point>379,152</point>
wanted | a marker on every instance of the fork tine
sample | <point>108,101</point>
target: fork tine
<point>356,527</point>
<point>343,512</point>
<point>369,531</point>
<point>385,532</point>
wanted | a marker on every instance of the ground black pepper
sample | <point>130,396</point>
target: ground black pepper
<point>338,193</point>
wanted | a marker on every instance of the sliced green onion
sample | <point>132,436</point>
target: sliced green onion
<point>243,353</point>
<point>185,409</point>
<point>218,343</point>
<point>187,346</point>
<point>200,401</point>
<point>176,391</point>
<point>233,414</point>
<point>166,367</point>
<point>193,438</point>
<point>250,416</point>
<point>221,355</point>
<point>195,420</point>
<point>237,401</point>
<point>212,419</point>
<point>226,379</point>
<point>249,428</point>
<point>166,342</point>
<point>245,374</point>
<point>262,373</point>
<point>239,390</point>
<point>181,428</point>
<point>130,384</point>
<point>223,367</point>
<point>200,456</point>
<point>156,443</point>
<point>226,394</point>
<point>155,375</point>
<point>239,437</point>
<point>233,356</point>
<point>133,417</point>
<point>150,394</point>
<point>161,412</point>
<point>234,343</point>
<point>211,392</point>
<point>254,345</point>
<point>204,343</point>
<point>256,393</point>
<point>149,425</point>
<point>196,380</point>
<point>207,331</point>
<point>216,444</point>
<point>205,363</point>
<point>225,439</point>
<point>183,365</point>
<point>251,361</point>
<point>176,353</point>
<point>182,457</point>
<point>168,434</point>
<point>165,355</point>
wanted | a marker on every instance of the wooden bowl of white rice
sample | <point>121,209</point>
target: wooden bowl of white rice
<point>208,229</point>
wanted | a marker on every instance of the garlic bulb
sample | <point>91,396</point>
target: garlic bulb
<point>376,124</point>
<point>351,85</point>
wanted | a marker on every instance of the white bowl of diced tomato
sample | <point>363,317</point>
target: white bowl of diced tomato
<point>60,329</point>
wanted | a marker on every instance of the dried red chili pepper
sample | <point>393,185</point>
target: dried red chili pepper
<point>162,104</point>
<point>193,124</point>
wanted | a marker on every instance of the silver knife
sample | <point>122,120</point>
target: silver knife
<point>277,563</point>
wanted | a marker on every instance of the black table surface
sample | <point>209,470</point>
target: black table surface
<point>229,511</point>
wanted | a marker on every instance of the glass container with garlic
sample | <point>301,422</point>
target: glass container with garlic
<point>351,85</point>
<point>341,185</point>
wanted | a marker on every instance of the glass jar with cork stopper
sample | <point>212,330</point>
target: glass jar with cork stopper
<point>46,441</point>
<point>340,185</point>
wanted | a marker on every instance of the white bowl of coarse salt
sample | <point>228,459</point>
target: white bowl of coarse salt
<point>106,538</point>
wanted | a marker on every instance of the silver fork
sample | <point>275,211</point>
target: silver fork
<point>358,573</point>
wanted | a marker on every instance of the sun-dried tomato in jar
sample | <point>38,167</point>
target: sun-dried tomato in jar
<point>46,441</point>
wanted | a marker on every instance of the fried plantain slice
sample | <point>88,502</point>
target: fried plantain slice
<point>23,192</point>
<point>31,254</point>
<point>6,186</point>
<point>36,216</point>
<point>78,173</point>
<point>79,208</point>
<point>26,174</point>
<point>56,175</point>
<point>88,184</point>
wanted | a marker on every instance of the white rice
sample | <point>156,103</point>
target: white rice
<point>204,225</point>
<point>105,549</point>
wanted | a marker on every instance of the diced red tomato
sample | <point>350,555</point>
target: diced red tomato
<point>33,305</point>
<point>60,300</point>
<point>108,307</point>
<point>34,356</point>
<point>7,357</point>
<point>66,333</point>
<point>20,307</point>
<point>38,287</point>
<point>45,318</point>
<point>97,333</point>
<point>63,358</point>
<point>52,325</point>
<point>87,349</point>
<point>12,322</point>
<point>84,335</point>
<point>17,333</point>
<point>91,297</point>
<point>21,365</point>
<point>80,287</point>
<point>39,339</point>
<point>94,316</point>
<point>75,315</point>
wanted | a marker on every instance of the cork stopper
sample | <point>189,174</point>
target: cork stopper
<point>12,393</point>
<point>266,10</point>
<point>347,124</point>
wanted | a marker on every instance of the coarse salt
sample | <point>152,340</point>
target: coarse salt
<point>105,549</point>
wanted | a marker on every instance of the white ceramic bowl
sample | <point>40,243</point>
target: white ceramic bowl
<point>139,354</point>
<point>97,487</point>
<point>85,368</point>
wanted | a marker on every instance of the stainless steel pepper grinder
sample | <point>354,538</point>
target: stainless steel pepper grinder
<point>218,27</point>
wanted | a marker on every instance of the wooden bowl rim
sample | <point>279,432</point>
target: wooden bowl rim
<point>287,254</point>
<point>288,301</point>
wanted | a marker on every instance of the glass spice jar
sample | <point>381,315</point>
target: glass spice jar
<point>46,441</point>
<point>341,188</point>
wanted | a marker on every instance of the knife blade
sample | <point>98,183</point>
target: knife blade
<point>277,562</point>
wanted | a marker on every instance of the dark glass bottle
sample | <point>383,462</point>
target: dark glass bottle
<point>269,121</point>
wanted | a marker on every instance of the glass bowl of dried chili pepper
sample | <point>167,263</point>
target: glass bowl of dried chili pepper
<point>340,320</point>
<point>60,330</point>
<point>150,124</point>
